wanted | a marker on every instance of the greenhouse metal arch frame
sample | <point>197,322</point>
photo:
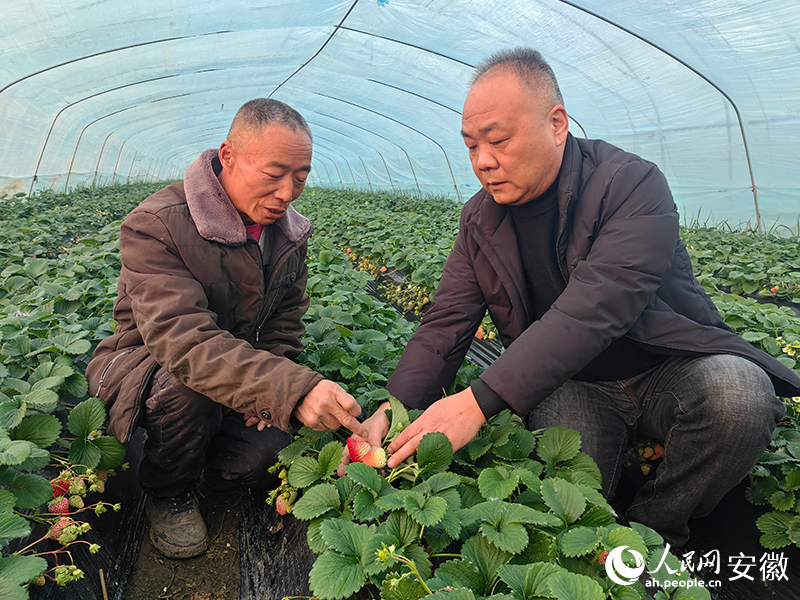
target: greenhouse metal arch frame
<point>707,89</point>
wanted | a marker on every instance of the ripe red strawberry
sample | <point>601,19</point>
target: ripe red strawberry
<point>349,250</point>
<point>357,449</point>
<point>60,487</point>
<point>281,507</point>
<point>55,530</point>
<point>383,269</point>
<point>375,458</point>
<point>603,557</point>
<point>61,506</point>
<point>774,290</point>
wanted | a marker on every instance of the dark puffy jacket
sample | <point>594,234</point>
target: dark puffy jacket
<point>195,298</point>
<point>627,273</point>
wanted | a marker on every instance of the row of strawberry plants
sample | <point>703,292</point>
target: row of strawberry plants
<point>348,218</point>
<point>513,515</point>
<point>55,305</point>
<point>744,262</point>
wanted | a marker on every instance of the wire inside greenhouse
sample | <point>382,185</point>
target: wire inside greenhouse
<point>336,299</point>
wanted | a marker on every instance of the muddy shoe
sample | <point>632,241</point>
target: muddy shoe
<point>177,529</point>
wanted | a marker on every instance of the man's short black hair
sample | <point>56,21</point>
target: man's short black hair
<point>260,113</point>
<point>528,64</point>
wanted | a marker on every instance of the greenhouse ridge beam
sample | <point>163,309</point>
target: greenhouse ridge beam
<point>403,150</point>
<point>110,51</point>
<point>317,53</point>
<point>375,112</point>
<point>699,74</point>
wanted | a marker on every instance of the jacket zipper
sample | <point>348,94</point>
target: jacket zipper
<point>261,319</point>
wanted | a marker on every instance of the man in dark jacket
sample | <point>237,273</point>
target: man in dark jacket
<point>573,247</point>
<point>211,295</point>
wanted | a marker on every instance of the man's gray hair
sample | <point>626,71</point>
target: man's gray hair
<point>257,114</point>
<point>527,64</point>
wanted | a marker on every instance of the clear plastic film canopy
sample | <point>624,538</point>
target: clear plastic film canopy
<point>101,91</point>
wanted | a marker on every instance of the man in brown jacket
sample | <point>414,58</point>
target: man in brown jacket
<point>573,247</point>
<point>211,295</point>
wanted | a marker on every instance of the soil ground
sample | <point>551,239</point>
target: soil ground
<point>212,576</point>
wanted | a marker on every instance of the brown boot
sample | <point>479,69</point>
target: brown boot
<point>177,529</point>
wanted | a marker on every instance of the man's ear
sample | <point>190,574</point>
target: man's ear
<point>560,123</point>
<point>226,154</point>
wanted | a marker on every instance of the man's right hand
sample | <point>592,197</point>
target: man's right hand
<point>328,406</point>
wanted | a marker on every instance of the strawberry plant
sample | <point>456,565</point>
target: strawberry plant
<point>514,514</point>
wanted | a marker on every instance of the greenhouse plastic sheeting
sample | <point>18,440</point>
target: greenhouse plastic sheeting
<point>102,91</point>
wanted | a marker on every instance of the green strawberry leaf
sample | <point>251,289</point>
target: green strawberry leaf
<point>364,507</point>
<point>530,581</point>
<point>329,457</point>
<point>21,569</point>
<point>434,453</point>
<point>399,422</point>
<point>112,452</point>
<point>346,537</point>
<point>7,500</point>
<point>37,461</point>
<point>12,412</point>
<point>42,430</point>
<point>459,574</point>
<point>44,401</point>
<point>463,594</point>
<point>83,452</point>
<point>14,452</point>
<point>31,490</point>
<point>579,541</point>
<point>564,499</point>
<point>511,537</point>
<point>305,471</point>
<point>316,501</point>
<point>425,510</point>
<point>486,557</point>
<point>395,587</point>
<point>86,417</point>
<point>496,483</point>
<point>366,477</point>
<point>559,444</point>
<point>292,452</point>
<point>335,576</point>
<point>12,526</point>
<point>571,586</point>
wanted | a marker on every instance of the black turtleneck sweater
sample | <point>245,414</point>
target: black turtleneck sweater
<point>536,226</point>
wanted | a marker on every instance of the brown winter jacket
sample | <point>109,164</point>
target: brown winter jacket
<point>627,273</point>
<point>195,299</point>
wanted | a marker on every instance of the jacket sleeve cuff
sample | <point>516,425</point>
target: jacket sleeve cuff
<point>488,400</point>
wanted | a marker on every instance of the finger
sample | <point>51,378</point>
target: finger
<point>249,422</point>
<point>404,436</point>
<point>347,402</point>
<point>404,452</point>
<point>344,462</point>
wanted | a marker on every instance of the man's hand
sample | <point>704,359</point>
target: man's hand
<point>328,406</point>
<point>458,417</point>
<point>250,421</point>
<point>373,430</point>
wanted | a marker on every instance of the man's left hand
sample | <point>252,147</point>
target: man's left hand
<point>458,417</point>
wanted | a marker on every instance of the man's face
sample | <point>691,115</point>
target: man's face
<point>514,147</point>
<point>262,174</point>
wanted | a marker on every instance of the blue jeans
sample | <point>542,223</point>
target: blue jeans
<point>714,414</point>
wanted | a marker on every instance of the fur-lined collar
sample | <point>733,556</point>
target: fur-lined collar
<point>213,213</point>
